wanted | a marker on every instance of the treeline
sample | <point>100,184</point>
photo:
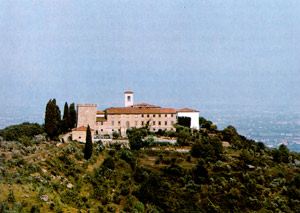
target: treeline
<point>244,176</point>
<point>26,129</point>
<point>54,124</point>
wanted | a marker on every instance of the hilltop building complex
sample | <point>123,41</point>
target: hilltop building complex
<point>119,119</point>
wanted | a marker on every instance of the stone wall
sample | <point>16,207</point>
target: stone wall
<point>86,115</point>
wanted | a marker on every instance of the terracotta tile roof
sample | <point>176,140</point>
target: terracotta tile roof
<point>98,119</point>
<point>100,112</point>
<point>82,128</point>
<point>144,105</point>
<point>129,92</point>
<point>130,110</point>
<point>186,110</point>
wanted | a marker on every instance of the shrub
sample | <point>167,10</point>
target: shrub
<point>79,155</point>
<point>111,209</point>
<point>183,136</point>
<point>11,196</point>
<point>14,132</point>
<point>34,209</point>
<point>108,163</point>
<point>101,209</point>
<point>196,150</point>
<point>139,206</point>
<point>135,136</point>
<point>116,197</point>
<point>116,135</point>
<point>128,157</point>
<point>125,188</point>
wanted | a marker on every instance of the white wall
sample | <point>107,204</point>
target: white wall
<point>128,102</point>
<point>194,118</point>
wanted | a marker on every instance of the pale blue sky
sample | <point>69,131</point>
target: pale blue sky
<point>170,53</point>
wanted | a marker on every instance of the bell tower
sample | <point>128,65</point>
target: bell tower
<point>128,95</point>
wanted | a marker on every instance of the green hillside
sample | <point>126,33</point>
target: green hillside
<point>222,172</point>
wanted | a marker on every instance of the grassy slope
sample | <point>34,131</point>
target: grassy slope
<point>49,169</point>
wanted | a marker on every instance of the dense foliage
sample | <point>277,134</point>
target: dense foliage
<point>66,119</point>
<point>52,119</point>
<point>136,137</point>
<point>88,148</point>
<point>72,116</point>
<point>17,132</point>
<point>205,176</point>
<point>69,119</point>
<point>54,124</point>
<point>184,121</point>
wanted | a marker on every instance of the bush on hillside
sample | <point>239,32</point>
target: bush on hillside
<point>26,129</point>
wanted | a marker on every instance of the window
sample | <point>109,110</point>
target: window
<point>79,137</point>
<point>119,130</point>
<point>112,123</point>
<point>112,130</point>
<point>142,123</point>
<point>166,115</point>
<point>128,98</point>
<point>172,122</point>
<point>142,115</point>
<point>136,123</point>
<point>153,115</point>
<point>119,122</point>
<point>148,116</point>
<point>171,115</point>
<point>101,122</point>
<point>153,129</point>
<point>159,122</point>
<point>166,122</point>
<point>159,115</point>
<point>101,130</point>
<point>153,122</point>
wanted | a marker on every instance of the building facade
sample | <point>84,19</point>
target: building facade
<point>79,134</point>
<point>119,119</point>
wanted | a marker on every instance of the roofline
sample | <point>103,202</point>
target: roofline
<point>187,111</point>
<point>141,113</point>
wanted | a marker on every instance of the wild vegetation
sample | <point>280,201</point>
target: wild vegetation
<point>54,124</point>
<point>199,174</point>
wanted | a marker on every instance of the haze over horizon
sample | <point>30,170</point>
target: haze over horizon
<point>170,53</point>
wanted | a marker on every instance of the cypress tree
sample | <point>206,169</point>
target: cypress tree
<point>50,119</point>
<point>57,119</point>
<point>88,148</point>
<point>66,120</point>
<point>72,116</point>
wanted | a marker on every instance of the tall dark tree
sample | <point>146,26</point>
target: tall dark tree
<point>66,119</point>
<point>72,116</point>
<point>57,118</point>
<point>88,148</point>
<point>52,119</point>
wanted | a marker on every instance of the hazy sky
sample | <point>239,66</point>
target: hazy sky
<point>170,53</point>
